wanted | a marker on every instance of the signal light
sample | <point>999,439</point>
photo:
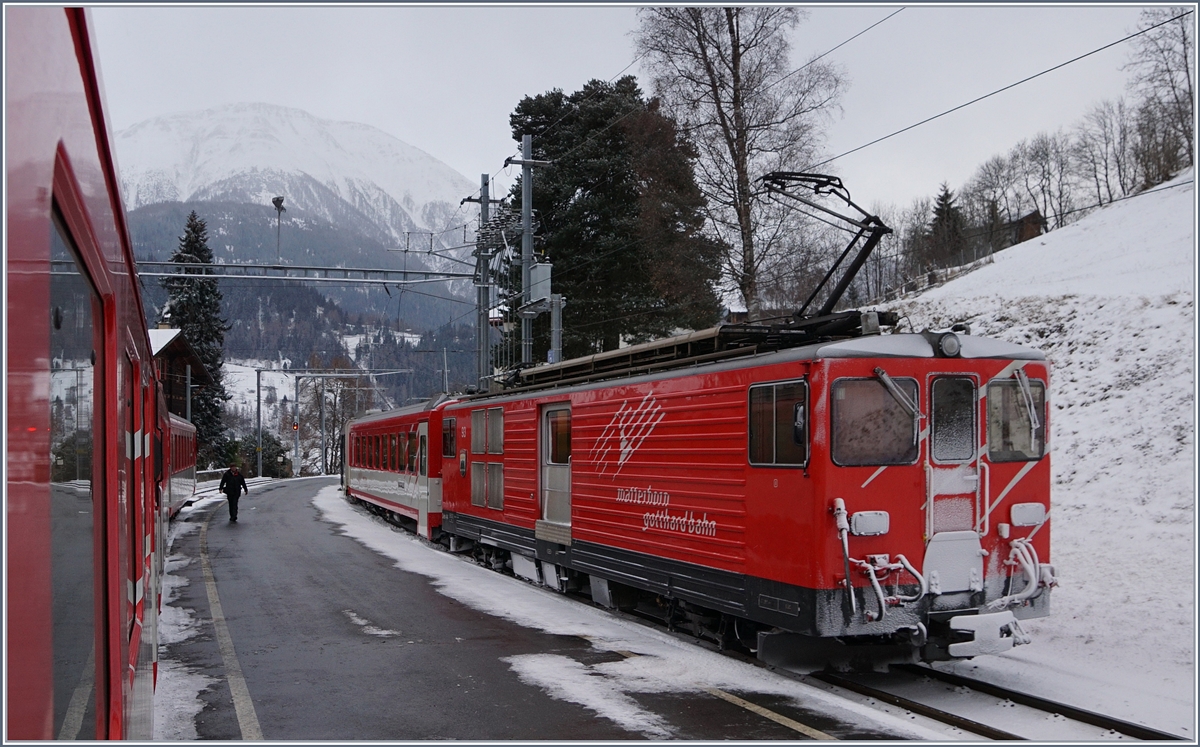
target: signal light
<point>295,426</point>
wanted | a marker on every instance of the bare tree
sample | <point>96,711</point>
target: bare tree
<point>723,75</point>
<point>1043,165</point>
<point>1103,151</point>
<point>1161,62</point>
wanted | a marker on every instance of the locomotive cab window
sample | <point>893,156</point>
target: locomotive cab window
<point>871,424</point>
<point>953,408</point>
<point>1016,420</point>
<point>778,424</point>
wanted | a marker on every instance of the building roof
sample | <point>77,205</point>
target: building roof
<point>170,346</point>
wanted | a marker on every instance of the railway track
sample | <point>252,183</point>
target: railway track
<point>1058,721</point>
<point>1008,715</point>
<point>906,686</point>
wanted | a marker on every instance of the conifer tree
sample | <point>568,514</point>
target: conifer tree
<point>620,217</point>
<point>947,233</point>
<point>194,307</point>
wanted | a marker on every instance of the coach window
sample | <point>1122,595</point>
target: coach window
<point>873,425</point>
<point>448,442</point>
<point>778,424</point>
<point>74,504</point>
<point>412,451</point>
<point>952,438</point>
<point>1016,420</point>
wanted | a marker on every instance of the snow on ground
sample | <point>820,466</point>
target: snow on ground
<point>660,664</point>
<point>1110,300</point>
<point>178,687</point>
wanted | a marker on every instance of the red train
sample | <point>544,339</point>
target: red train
<point>92,452</point>
<point>179,460</point>
<point>813,490</point>
<point>739,495</point>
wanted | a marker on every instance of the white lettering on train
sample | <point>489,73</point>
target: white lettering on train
<point>687,522</point>
<point>647,496</point>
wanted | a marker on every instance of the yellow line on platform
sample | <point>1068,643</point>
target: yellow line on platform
<point>243,706</point>
<point>807,731</point>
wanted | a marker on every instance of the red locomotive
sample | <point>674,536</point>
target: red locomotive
<point>813,490</point>
<point>86,417</point>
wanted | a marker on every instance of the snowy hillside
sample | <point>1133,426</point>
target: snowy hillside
<point>1111,301</point>
<point>338,171</point>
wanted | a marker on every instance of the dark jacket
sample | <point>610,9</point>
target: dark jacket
<point>233,485</point>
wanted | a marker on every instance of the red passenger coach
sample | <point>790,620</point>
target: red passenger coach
<point>180,466</point>
<point>394,462</point>
<point>85,417</point>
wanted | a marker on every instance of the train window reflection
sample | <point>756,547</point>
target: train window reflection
<point>73,310</point>
<point>870,427</point>
<point>1016,423</point>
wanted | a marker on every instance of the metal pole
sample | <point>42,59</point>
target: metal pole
<point>322,425</point>
<point>484,293</point>
<point>258,415</point>
<point>556,305</point>
<point>188,380</point>
<point>296,429</point>
<point>526,244</point>
<point>445,373</point>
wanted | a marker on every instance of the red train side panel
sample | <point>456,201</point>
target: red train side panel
<point>80,404</point>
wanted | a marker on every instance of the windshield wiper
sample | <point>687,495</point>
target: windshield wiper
<point>909,406</point>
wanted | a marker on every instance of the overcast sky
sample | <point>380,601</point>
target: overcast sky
<point>445,79</point>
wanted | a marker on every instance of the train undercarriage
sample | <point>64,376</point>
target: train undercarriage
<point>930,640</point>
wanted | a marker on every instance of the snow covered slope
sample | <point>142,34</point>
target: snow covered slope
<point>1111,301</point>
<point>253,152</point>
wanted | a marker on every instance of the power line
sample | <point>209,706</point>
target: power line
<point>993,93</point>
<point>830,51</point>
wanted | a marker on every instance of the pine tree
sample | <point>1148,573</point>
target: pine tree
<point>947,233</point>
<point>620,217</point>
<point>194,307</point>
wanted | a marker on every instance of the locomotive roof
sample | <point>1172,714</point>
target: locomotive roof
<point>917,346</point>
<point>906,345</point>
<point>838,335</point>
<point>425,406</point>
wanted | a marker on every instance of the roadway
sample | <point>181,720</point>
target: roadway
<point>300,632</point>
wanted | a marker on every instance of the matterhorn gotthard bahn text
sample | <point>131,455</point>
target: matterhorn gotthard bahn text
<point>351,177</point>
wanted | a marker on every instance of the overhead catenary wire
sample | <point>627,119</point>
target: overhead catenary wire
<point>993,93</point>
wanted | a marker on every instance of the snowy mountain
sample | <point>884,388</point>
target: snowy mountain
<point>1111,301</point>
<point>351,175</point>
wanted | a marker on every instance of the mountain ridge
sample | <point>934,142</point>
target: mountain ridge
<point>251,152</point>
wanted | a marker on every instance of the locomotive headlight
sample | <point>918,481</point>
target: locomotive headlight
<point>949,345</point>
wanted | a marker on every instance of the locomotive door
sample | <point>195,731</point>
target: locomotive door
<point>952,462</point>
<point>952,468</point>
<point>555,460</point>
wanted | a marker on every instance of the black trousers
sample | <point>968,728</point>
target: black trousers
<point>233,501</point>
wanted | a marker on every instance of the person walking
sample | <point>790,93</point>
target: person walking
<point>233,485</point>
